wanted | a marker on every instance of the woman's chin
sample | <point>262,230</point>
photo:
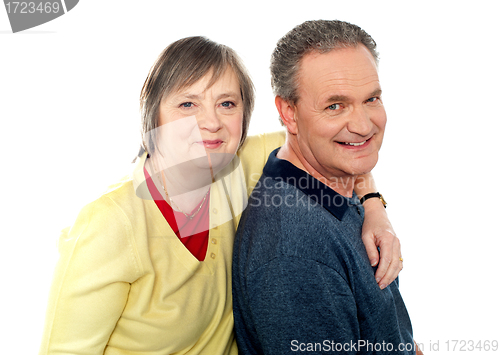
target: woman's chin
<point>213,161</point>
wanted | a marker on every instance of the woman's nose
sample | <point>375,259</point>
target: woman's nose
<point>209,120</point>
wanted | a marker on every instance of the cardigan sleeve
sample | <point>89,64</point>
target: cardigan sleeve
<point>97,263</point>
<point>254,153</point>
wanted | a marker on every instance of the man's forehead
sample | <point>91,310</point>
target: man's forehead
<point>340,52</point>
<point>339,72</point>
<point>343,61</point>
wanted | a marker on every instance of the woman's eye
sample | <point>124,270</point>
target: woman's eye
<point>186,104</point>
<point>227,104</point>
<point>334,107</point>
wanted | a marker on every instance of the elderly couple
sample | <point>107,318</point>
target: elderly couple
<point>150,267</point>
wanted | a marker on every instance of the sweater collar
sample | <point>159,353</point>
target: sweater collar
<point>331,200</point>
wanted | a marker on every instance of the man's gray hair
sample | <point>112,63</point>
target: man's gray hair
<point>321,36</point>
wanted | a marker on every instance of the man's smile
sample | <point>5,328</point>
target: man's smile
<point>356,144</point>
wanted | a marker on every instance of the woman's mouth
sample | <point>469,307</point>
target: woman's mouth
<point>211,144</point>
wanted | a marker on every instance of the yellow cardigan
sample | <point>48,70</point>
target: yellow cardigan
<point>125,284</point>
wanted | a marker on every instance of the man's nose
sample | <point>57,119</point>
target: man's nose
<point>360,122</point>
<point>209,120</point>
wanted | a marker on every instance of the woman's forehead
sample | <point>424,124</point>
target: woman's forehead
<point>226,77</point>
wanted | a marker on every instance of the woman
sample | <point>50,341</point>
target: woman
<point>146,267</point>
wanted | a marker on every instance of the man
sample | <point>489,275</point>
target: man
<point>302,281</point>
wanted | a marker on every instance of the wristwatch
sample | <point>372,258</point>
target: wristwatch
<point>372,195</point>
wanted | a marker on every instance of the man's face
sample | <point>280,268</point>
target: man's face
<point>339,115</point>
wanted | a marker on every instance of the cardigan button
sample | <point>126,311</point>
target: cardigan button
<point>214,210</point>
<point>214,241</point>
<point>212,256</point>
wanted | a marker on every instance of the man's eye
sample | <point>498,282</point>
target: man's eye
<point>373,99</point>
<point>334,107</point>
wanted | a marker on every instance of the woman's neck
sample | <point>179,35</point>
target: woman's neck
<point>183,189</point>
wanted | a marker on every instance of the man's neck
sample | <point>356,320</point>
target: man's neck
<point>290,152</point>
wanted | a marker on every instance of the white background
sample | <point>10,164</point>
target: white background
<point>69,125</point>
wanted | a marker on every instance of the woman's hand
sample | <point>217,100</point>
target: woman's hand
<point>378,233</point>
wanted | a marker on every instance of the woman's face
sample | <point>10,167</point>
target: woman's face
<point>202,125</point>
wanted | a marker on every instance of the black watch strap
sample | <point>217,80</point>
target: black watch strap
<point>373,195</point>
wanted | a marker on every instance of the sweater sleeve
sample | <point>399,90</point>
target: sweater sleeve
<point>97,263</point>
<point>254,153</point>
<point>291,304</point>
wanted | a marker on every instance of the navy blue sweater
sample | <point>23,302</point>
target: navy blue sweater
<point>302,281</point>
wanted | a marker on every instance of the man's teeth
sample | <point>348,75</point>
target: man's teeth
<point>355,144</point>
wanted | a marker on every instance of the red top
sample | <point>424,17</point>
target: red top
<point>182,226</point>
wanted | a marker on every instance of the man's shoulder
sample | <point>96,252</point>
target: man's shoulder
<point>275,198</point>
<point>282,221</point>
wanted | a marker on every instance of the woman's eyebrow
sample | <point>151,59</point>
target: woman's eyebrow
<point>228,94</point>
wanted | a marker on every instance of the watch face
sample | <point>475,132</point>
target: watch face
<point>384,202</point>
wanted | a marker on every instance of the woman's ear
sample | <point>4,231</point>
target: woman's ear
<point>286,110</point>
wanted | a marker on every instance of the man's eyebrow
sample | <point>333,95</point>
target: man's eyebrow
<point>376,92</point>
<point>335,98</point>
<point>343,98</point>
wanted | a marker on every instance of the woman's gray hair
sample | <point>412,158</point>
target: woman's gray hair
<point>182,64</point>
<point>321,36</point>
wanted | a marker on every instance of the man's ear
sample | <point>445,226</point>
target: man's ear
<point>287,113</point>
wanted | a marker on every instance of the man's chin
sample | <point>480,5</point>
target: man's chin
<point>357,170</point>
